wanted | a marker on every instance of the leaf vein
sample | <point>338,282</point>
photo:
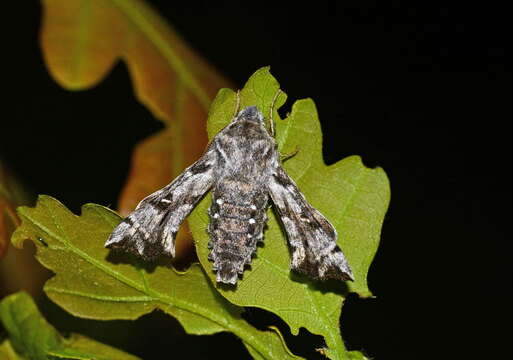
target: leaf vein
<point>166,50</point>
<point>100,297</point>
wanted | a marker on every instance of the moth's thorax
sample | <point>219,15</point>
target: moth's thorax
<point>245,151</point>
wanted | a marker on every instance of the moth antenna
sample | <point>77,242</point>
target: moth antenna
<point>285,157</point>
<point>237,105</point>
<point>271,120</point>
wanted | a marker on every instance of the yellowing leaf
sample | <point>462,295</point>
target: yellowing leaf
<point>18,269</point>
<point>93,283</point>
<point>11,196</point>
<point>353,197</point>
<point>83,39</point>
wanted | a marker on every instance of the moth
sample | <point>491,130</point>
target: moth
<point>242,167</point>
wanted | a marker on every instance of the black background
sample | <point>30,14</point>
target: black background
<point>423,91</point>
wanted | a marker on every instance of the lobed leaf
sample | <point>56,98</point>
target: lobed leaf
<point>93,283</point>
<point>31,336</point>
<point>353,197</point>
<point>82,40</point>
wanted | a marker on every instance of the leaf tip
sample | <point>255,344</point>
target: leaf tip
<point>263,77</point>
<point>46,199</point>
<point>264,70</point>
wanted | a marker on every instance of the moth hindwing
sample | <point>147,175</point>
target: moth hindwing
<point>242,168</point>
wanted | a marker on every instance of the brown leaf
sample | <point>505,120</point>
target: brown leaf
<point>18,268</point>
<point>8,222</point>
<point>83,39</point>
<point>10,197</point>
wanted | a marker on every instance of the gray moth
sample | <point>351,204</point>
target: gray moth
<point>242,168</point>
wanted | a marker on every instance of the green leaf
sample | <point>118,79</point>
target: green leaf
<point>33,337</point>
<point>92,283</point>
<point>83,348</point>
<point>7,352</point>
<point>29,332</point>
<point>353,197</point>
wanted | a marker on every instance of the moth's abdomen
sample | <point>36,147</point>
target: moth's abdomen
<point>237,219</point>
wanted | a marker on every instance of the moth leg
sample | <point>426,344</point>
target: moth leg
<point>237,104</point>
<point>285,157</point>
<point>312,238</point>
<point>150,230</point>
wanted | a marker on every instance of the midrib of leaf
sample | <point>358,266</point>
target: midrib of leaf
<point>136,16</point>
<point>237,329</point>
<point>333,338</point>
<point>100,297</point>
<point>330,331</point>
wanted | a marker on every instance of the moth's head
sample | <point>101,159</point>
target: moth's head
<point>251,113</point>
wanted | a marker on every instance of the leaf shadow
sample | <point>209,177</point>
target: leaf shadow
<point>328,286</point>
<point>227,287</point>
<point>120,257</point>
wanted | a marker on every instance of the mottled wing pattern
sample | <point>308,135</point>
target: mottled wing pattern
<point>311,236</point>
<point>150,230</point>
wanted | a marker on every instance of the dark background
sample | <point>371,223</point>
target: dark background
<point>423,91</point>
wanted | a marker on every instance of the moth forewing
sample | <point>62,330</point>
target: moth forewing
<point>312,238</point>
<point>150,230</point>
